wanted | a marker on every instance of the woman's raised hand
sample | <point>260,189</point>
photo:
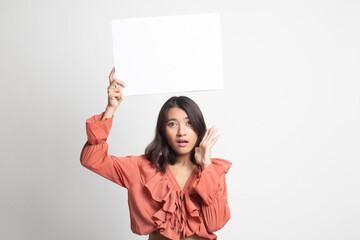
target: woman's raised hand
<point>203,152</point>
<point>115,95</point>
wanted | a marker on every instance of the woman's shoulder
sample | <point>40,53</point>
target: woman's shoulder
<point>145,166</point>
<point>221,165</point>
<point>141,160</point>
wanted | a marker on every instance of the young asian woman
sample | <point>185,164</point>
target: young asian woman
<point>176,190</point>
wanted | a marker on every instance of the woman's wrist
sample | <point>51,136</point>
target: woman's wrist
<point>109,112</point>
<point>205,165</point>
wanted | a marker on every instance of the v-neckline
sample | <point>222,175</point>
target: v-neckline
<point>172,176</point>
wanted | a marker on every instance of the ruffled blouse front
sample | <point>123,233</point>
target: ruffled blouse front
<point>156,201</point>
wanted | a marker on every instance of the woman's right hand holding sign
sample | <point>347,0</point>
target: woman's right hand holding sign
<point>115,95</point>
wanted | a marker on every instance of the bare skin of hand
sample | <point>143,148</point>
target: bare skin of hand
<point>203,152</point>
<point>115,95</point>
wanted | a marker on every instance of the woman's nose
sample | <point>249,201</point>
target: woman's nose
<point>181,130</point>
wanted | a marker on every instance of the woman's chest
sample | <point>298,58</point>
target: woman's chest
<point>181,176</point>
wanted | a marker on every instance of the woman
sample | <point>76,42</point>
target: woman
<point>175,190</point>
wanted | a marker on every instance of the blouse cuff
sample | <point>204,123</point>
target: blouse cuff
<point>98,130</point>
<point>207,184</point>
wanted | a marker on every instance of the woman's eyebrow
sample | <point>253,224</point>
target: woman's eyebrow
<point>173,119</point>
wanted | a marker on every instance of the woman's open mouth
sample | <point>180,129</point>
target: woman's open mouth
<point>182,143</point>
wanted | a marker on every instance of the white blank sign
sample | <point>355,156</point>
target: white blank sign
<point>168,53</point>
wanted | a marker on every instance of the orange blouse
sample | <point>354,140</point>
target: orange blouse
<point>156,202</point>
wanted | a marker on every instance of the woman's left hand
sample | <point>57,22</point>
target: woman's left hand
<point>203,152</point>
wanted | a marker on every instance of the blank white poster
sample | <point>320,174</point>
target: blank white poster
<point>168,53</point>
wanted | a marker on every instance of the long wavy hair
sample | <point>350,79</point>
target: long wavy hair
<point>159,151</point>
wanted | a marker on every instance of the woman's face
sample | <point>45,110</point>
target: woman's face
<point>179,132</point>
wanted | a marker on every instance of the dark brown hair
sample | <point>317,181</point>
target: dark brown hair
<point>159,152</point>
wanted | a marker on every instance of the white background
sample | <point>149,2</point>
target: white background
<point>288,117</point>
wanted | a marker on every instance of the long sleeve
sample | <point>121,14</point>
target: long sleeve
<point>211,186</point>
<point>94,155</point>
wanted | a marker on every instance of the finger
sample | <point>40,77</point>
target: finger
<point>209,135</point>
<point>205,136</point>
<point>114,90</point>
<point>214,141</point>
<point>213,133</point>
<point>119,95</point>
<point>111,76</point>
<point>212,138</point>
<point>115,93</point>
<point>117,82</point>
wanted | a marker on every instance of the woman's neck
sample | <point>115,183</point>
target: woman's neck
<point>183,160</point>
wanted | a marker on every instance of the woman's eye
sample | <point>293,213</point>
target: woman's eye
<point>171,124</point>
<point>189,122</point>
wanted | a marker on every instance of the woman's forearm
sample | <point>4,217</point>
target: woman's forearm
<point>109,113</point>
